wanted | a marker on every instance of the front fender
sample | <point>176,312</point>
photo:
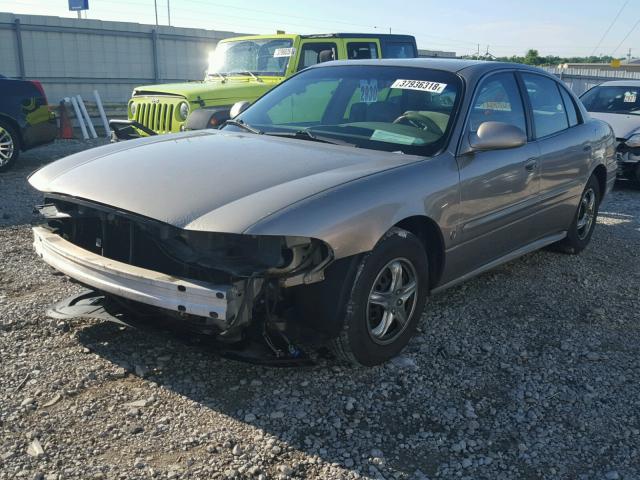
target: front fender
<point>352,218</point>
<point>203,118</point>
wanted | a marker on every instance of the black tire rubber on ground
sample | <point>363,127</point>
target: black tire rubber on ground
<point>572,243</point>
<point>354,344</point>
<point>16,145</point>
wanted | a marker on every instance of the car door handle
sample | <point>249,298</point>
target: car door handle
<point>531,164</point>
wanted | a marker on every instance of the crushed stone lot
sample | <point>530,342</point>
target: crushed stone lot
<point>529,371</point>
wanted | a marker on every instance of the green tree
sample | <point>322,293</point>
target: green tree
<point>533,58</point>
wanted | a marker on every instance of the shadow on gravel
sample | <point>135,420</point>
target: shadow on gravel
<point>500,361</point>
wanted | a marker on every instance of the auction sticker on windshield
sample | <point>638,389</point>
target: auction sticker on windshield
<point>421,85</point>
<point>369,91</point>
<point>284,52</point>
<point>630,97</point>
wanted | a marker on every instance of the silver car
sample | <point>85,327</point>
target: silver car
<point>618,103</point>
<point>330,209</point>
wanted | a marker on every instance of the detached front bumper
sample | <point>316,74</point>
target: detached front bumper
<point>221,304</point>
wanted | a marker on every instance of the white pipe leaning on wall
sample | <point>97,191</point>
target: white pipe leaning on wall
<point>76,109</point>
<point>103,115</point>
<point>87,117</point>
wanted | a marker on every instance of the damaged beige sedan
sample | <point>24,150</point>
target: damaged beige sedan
<point>328,211</point>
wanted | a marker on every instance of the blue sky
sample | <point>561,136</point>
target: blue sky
<point>559,27</point>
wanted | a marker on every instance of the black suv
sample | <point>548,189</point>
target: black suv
<point>25,120</point>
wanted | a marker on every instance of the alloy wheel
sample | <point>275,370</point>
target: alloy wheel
<point>392,301</point>
<point>6,147</point>
<point>586,213</point>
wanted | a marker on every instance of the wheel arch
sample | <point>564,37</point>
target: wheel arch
<point>600,172</point>
<point>429,233</point>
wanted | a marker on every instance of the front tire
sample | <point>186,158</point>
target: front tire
<point>386,301</point>
<point>584,222</point>
<point>9,146</point>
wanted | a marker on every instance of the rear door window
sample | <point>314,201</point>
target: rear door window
<point>399,50</point>
<point>549,114</point>
<point>312,53</point>
<point>570,107</point>
<point>362,50</point>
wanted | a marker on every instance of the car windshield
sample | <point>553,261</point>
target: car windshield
<point>397,109</point>
<point>267,56</point>
<point>613,99</point>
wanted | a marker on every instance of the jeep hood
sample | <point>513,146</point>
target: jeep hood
<point>209,180</point>
<point>245,88</point>
<point>623,125</point>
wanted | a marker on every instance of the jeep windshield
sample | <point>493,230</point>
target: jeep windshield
<point>267,56</point>
<point>396,109</point>
<point>613,99</point>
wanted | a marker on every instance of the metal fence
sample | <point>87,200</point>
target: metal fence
<point>72,56</point>
<point>580,80</point>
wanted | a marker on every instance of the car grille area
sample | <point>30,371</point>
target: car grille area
<point>158,113</point>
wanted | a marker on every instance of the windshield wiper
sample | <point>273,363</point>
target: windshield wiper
<point>307,135</point>
<point>243,125</point>
<point>247,72</point>
<point>221,75</point>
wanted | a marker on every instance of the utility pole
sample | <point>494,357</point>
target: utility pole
<point>478,53</point>
<point>155,4</point>
<point>169,11</point>
<point>629,56</point>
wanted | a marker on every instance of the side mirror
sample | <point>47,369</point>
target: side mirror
<point>497,136</point>
<point>238,108</point>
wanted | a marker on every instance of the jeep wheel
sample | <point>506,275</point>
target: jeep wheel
<point>386,301</point>
<point>9,146</point>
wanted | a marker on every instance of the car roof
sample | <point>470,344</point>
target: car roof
<point>387,36</point>
<point>453,65</point>
<point>621,83</point>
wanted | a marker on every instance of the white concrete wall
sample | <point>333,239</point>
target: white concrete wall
<point>75,56</point>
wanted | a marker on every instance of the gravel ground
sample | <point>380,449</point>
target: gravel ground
<point>530,371</point>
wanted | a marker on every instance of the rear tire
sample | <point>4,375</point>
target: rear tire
<point>9,146</point>
<point>584,222</point>
<point>386,301</point>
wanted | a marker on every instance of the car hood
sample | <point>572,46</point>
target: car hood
<point>210,180</point>
<point>623,125</point>
<point>233,88</point>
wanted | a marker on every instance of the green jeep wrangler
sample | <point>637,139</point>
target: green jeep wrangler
<point>243,69</point>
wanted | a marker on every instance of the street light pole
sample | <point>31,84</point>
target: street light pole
<point>169,11</point>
